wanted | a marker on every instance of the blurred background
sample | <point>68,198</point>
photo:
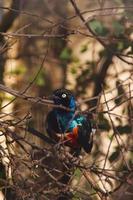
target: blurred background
<point>85,46</point>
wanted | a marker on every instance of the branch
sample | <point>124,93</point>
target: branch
<point>34,100</point>
<point>24,96</point>
<point>30,36</point>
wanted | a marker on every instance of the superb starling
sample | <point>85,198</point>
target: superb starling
<point>66,125</point>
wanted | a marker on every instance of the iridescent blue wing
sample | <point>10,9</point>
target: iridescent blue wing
<point>85,138</point>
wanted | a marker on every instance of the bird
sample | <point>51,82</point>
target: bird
<point>66,125</point>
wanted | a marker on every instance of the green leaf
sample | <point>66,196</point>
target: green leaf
<point>120,46</point>
<point>84,48</point>
<point>77,173</point>
<point>19,70</point>
<point>40,81</point>
<point>73,70</point>
<point>110,137</point>
<point>66,54</point>
<point>75,59</point>
<point>98,27</point>
<point>118,28</point>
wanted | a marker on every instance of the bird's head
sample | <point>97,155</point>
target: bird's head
<point>64,98</point>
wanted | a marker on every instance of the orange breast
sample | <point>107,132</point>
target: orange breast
<point>72,137</point>
<point>68,138</point>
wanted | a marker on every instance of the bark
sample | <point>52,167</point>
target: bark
<point>6,22</point>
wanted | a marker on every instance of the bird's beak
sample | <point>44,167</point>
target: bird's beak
<point>52,99</point>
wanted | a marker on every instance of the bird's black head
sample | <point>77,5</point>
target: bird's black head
<point>65,98</point>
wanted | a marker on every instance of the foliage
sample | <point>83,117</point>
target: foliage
<point>98,27</point>
<point>66,54</point>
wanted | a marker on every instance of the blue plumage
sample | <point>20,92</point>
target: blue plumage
<point>74,127</point>
<point>68,121</point>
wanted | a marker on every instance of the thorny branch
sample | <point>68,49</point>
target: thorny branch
<point>86,172</point>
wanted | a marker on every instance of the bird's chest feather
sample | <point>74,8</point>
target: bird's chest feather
<point>68,121</point>
<point>68,125</point>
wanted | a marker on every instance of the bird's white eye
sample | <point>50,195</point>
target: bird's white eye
<point>64,95</point>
